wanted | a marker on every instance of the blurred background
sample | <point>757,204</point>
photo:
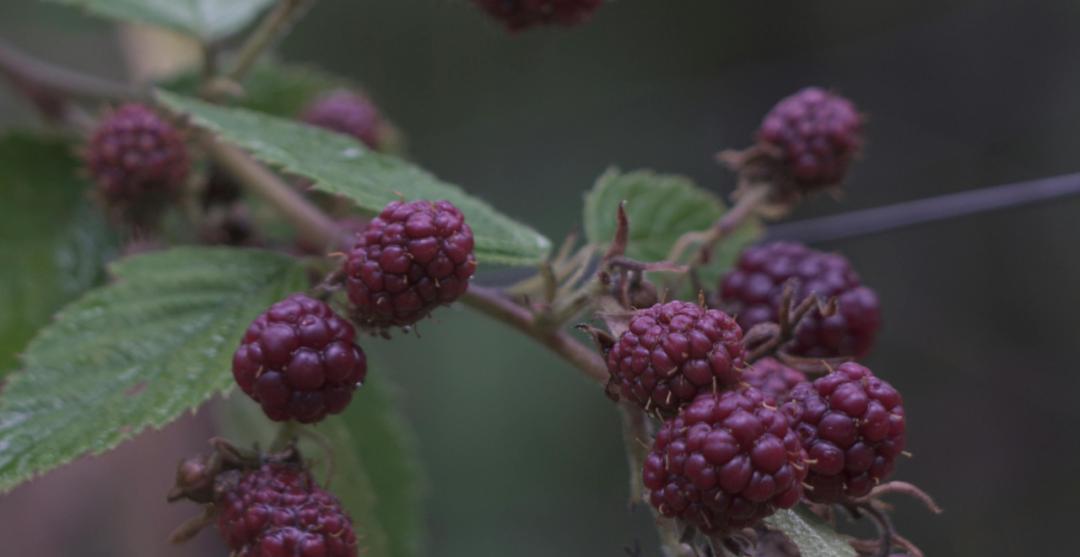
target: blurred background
<point>523,456</point>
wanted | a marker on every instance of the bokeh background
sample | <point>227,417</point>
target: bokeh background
<point>523,456</point>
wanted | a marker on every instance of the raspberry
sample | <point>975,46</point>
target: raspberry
<point>673,351</point>
<point>412,258</point>
<point>773,378</point>
<point>752,292</point>
<point>727,461</point>
<point>136,157</point>
<point>817,133</point>
<point>298,360</point>
<point>517,15</point>
<point>279,511</point>
<point>347,113</point>
<point>852,425</point>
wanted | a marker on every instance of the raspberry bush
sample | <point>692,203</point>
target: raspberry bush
<point>733,363</point>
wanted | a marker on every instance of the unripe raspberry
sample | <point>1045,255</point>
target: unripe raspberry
<point>347,113</point>
<point>852,425</point>
<point>727,461</point>
<point>279,511</point>
<point>517,15</point>
<point>299,361</point>
<point>817,134</point>
<point>136,157</point>
<point>672,352</point>
<point>773,378</point>
<point>412,258</point>
<point>753,289</point>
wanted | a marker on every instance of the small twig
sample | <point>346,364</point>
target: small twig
<point>728,223</point>
<point>263,36</point>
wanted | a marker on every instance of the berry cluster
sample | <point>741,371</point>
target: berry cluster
<point>279,510</point>
<point>412,258</point>
<point>299,361</point>
<point>727,461</point>
<point>740,441</point>
<point>672,352</point>
<point>517,15</point>
<point>752,292</point>
<point>852,425</point>
<point>816,133</point>
<point>347,113</point>
<point>136,158</point>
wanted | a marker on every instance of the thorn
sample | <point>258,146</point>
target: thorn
<point>807,486</point>
<point>907,454</point>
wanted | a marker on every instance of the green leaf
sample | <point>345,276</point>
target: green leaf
<point>56,242</point>
<point>138,352</point>
<point>271,87</point>
<point>377,475</point>
<point>813,537</point>
<point>340,165</point>
<point>208,20</point>
<point>660,209</point>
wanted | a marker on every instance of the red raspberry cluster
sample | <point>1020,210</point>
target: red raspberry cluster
<point>279,511</point>
<point>299,361</point>
<point>727,461</point>
<point>136,157</point>
<point>817,134</point>
<point>347,113</point>
<point>672,352</point>
<point>852,425</point>
<point>412,258</point>
<point>752,291</point>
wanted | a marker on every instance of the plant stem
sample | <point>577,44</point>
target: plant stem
<point>494,304</point>
<point>33,75</point>
<point>724,226</point>
<point>314,226</point>
<point>311,224</point>
<point>263,36</point>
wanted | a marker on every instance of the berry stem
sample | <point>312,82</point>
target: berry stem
<point>745,206</point>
